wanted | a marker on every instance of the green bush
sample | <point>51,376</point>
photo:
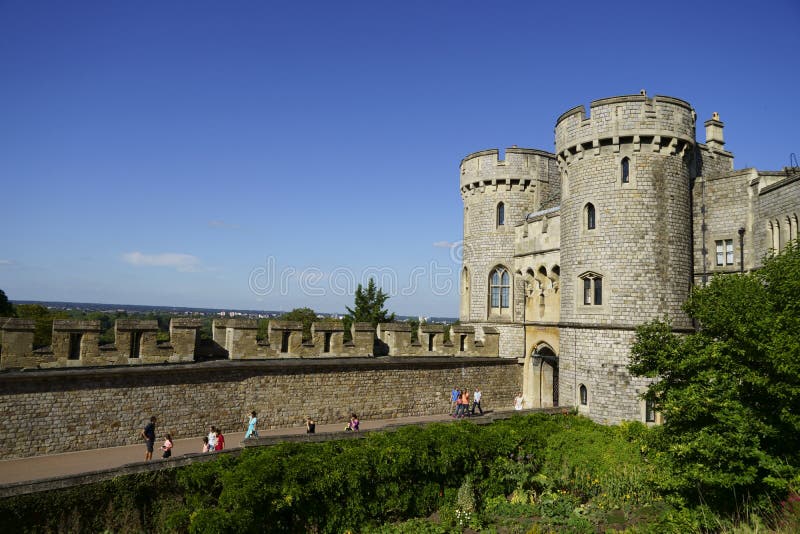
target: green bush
<point>560,473</point>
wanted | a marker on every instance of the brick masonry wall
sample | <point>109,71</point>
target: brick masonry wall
<point>599,360</point>
<point>47,412</point>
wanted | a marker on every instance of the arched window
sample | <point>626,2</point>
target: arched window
<point>625,175</point>
<point>501,214</point>
<point>584,396</point>
<point>499,284</point>
<point>590,218</point>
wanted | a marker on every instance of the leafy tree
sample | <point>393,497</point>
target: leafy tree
<point>730,392</point>
<point>302,315</point>
<point>43,316</point>
<point>6,308</point>
<point>369,306</point>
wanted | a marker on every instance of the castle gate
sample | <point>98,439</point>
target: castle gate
<point>544,380</point>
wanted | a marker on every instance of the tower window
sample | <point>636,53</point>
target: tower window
<point>625,170</point>
<point>501,214</point>
<point>590,217</point>
<point>592,289</point>
<point>649,411</point>
<point>584,396</point>
<point>499,284</point>
<point>724,252</point>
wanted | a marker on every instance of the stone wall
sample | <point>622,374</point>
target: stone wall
<point>598,359</point>
<point>778,209</point>
<point>54,411</point>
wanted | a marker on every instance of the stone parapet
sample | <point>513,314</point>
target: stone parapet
<point>183,338</point>
<point>16,350</point>
<point>660,123</point>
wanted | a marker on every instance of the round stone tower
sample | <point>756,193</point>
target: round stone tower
<point>626,241</point>
<point>497,194</point>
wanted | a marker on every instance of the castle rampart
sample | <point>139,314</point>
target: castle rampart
<point>661,123</point>
<point>76,343</point>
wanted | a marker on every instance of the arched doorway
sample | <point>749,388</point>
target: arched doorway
<point>544,365</point>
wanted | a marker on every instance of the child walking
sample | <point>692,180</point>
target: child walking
<point>167,447</point>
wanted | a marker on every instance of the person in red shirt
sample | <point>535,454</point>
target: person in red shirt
<point>220,440</point>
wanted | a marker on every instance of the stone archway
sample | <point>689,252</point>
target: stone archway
<point>544,370</point>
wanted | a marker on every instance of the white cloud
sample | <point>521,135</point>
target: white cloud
<point>185,263</point>
<point>444,244</point>
<point>6,262</point>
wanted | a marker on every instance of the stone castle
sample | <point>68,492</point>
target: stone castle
<point>566,253</point>
<point>564,256</point>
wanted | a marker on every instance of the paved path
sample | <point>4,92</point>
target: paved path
<point>71,463</point>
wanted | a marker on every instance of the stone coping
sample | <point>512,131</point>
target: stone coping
<point>60,325</point>
<point>185,322</point>
<point>266,365</point>
<point>14,323</point>
<point>512,150</point>
<point>136,324</point>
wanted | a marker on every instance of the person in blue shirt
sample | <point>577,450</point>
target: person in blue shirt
<point>149,436</point>
<point>251,426</point>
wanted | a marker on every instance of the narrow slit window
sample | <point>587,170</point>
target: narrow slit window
<point>590,217</point>
<point>584,396</point>
<point>625,170</point>
<point>501,214</point>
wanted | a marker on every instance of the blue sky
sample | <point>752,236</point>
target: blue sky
<point>269,155</point>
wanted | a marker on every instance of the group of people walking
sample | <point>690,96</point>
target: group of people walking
<point>460,402</point>
<point>148,433</point>
<point>215,441</point>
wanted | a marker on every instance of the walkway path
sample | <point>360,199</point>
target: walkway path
<point>72,463</point>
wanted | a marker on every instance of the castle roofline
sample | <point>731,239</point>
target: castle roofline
<point>510,150</point>
<point>620,99</point>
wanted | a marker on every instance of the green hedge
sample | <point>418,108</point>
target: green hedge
<point>568,472</point>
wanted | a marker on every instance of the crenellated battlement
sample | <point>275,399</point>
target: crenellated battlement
<point>520,168</point>
<point>658,124</point>
<point>76,343</point>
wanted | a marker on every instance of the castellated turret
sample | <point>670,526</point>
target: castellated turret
<point>498,192</point>
<point>626,171</point>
